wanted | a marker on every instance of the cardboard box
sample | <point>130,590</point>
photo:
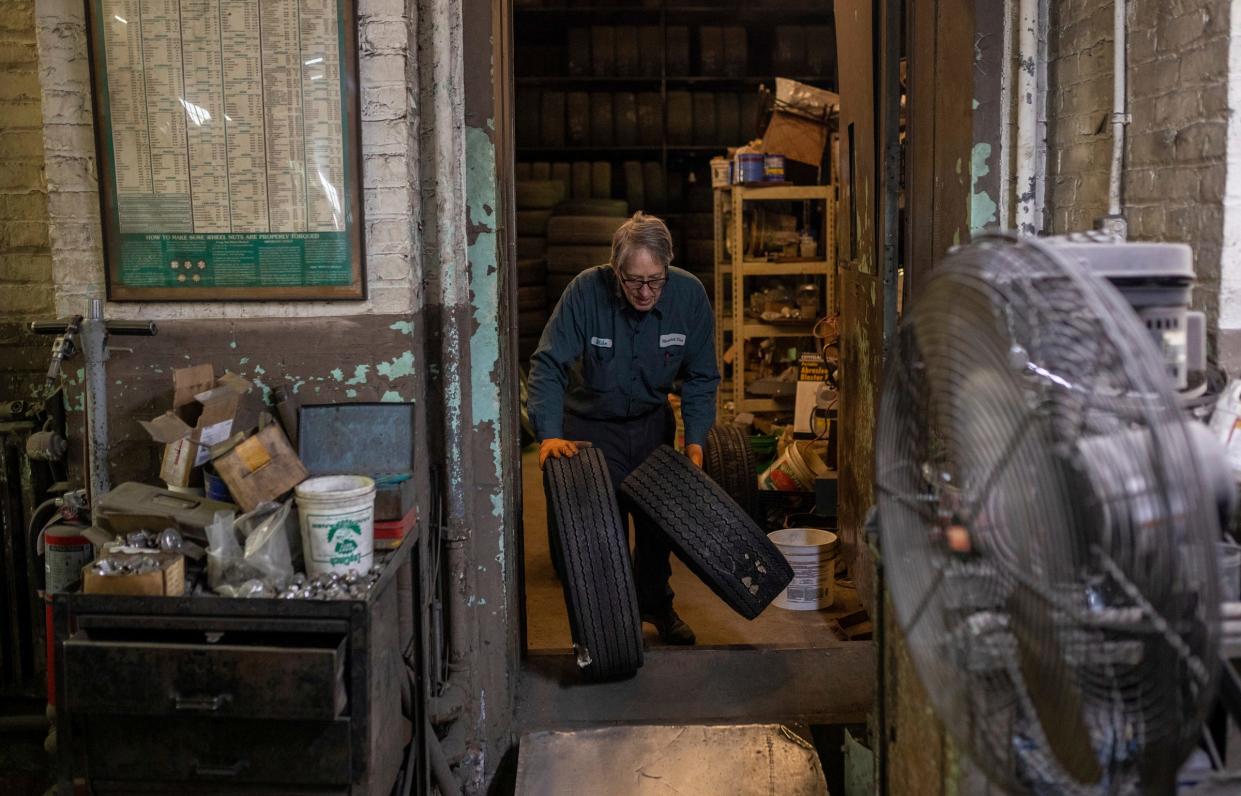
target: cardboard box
<point>168,580</point>
<point>798,127</point>
<point>258,468</point>
<point>202,415</point>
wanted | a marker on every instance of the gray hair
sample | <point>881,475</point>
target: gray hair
<point>642,232</point>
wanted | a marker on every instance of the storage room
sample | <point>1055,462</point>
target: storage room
<point>721,121</point>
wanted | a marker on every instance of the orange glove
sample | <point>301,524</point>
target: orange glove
<point>556,448</point>
<point>694,452</point>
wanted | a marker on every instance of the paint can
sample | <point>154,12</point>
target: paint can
<point>337,517</point>
<point>793,471</point>
<point>773,168</point>
<point>721,172</point>
<point>748,168</point>
<point>811,552</point>
<point>215,487</point>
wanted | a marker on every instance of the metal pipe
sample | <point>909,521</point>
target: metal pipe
<point>440,768</point>
<point>1120,116</point>
<point>1027,117</point>
<point>94,336</point>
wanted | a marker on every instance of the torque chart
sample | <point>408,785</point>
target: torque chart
<point>228,140</point>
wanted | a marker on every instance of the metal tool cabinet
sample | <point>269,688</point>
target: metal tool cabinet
<point>219,695</point>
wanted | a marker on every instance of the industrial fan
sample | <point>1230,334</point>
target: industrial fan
<point>1048,517</point>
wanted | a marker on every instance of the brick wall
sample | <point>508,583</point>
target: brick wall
<point>388,198</point>
<point>25,257</point>
<point>1175,160</point>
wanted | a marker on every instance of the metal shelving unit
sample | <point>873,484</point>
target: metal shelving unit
<point>732,269</point>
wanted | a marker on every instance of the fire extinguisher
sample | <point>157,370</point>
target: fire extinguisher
<point>65,551</point>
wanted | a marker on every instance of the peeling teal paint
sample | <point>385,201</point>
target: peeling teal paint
<point>481,197</point>
<point>976,104</point>
<point>359,374</point>
<point>241,361</point>
<point>259,369</point>
<point>404,327</point>
<point>401,366</point>
<point>232,343</point>
<point>297,385</point>
<point>338,374</point>
<point>351,393</point>
<point>80,375</point>
<point>982,206</point>
<point>391,396</point>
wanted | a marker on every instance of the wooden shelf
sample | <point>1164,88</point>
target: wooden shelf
<point>764,405</point>
<point>765,268</point>
<point>653,148</point>
<point>782,193</point>
<point>683,80</point>
<point>805,329</point>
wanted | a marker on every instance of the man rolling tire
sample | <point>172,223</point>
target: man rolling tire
<point>619,337</point>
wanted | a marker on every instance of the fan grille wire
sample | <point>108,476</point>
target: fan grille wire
<point>1049,540</point>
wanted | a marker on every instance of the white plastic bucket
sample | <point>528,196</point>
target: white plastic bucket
<point>337,517</point>
<point>794,470</point>
<point>811,552</point>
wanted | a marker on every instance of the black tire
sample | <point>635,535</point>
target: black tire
<point>593,207</point>
<point>573,260</point>
<point>539,194</point>
<point>729,460</point>
<point>590,543</point>
<point>556,286</point>
<point>531,323</point>
<point>532,297</point>
<point>531,272</point>
<point>707,530</point>
<point>533,223</point>
<point>582,230</point>
<point>526,345</point>
<point>531,247</point>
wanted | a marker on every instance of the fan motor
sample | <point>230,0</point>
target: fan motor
<point>1157,279</point>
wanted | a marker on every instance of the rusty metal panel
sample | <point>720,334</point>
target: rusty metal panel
<point>858,173</point>
<point>861,353</point>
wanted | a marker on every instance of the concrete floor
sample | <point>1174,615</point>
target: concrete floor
<point>547,623</point>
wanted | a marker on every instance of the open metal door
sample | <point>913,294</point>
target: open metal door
<point>867,34</point>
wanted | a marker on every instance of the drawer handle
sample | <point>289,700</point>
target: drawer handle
<point>204,704</point>
<point>219,770</point>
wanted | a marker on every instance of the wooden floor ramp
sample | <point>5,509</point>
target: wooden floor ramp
<point>747,760</point>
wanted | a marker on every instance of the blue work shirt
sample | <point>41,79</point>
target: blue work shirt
<point>601,359</point>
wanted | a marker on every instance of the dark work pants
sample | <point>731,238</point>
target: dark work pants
<point>625,445</point>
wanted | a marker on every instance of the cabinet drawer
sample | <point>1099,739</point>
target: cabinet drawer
<point>206,750</point>
<point>147,677</point>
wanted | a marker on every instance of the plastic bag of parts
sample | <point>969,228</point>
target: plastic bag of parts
<point>267,547</point>
<point>251,556</point>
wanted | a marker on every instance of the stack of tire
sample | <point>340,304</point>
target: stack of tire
<point>536,198</point>
<point>579,236</point>
<point>698,230</point>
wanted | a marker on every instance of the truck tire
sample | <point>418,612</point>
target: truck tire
<point>715,537</point>
<point>582,230</point>
<point>593,207</point>
<point>530,247</point>
<point>530,323</point>
<point>531,297</point>
<point>590,546</point>
<point>572,260</point>
<point>531,272</point>
<point>532,223</point>
<point>539,194</point>
<point>729,460</point>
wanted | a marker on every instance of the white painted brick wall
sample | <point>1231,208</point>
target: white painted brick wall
<point>25,255</point>
<point>384,33</point>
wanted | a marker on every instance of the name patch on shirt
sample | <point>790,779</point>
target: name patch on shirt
<point>666,340</point>
<point>602,342</point>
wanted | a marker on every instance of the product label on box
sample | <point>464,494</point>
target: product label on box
<point>212,435</point>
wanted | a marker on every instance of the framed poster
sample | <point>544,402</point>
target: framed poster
<point>229,149</point>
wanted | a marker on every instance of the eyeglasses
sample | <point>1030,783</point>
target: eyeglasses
<point>635,284</point>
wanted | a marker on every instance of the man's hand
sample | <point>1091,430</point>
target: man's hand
<point>694,452</point>
<point>555,448</point>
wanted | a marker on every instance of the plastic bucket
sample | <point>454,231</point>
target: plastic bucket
<point>337,517</point>
<point>1229,572</point>
<point>811,552</point>
<point>794,471</point>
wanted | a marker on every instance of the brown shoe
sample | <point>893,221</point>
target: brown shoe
<point>672,629</point>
